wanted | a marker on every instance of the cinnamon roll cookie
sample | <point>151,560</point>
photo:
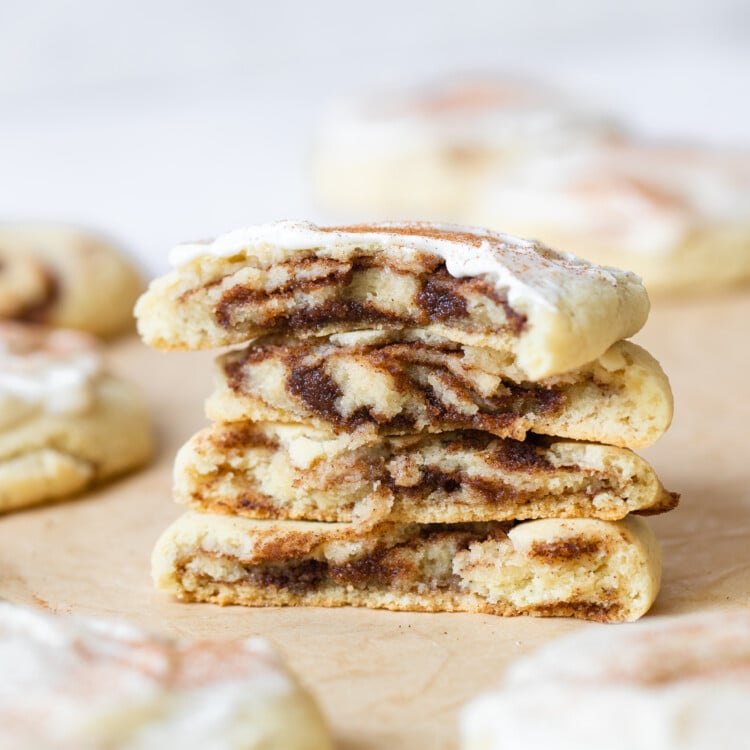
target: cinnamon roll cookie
<point>431,151</point>
<point>552,312</point>
<point>65,423</point>
<point>527,161</point>
<point>677,215</point>
<point>683,682</point>
<point>292,472</point>
<point>65,277</point>
<point>85,684</point>
<point>607,571</point>
<point>372,383</point>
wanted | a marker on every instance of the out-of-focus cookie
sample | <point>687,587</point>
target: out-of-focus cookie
<point>677,216</point>
<point>66,277</point>
<point>677,683</point>
<point>524,160</point>
<point>551,311</point>
<point>430,152</point>
<point>65,423</point>
<point>283,471</point>
<point>370,383</point>
<point>599,570</point>
<point>84,684</point>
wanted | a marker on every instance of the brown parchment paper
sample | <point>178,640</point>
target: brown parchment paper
<point>393,680</point>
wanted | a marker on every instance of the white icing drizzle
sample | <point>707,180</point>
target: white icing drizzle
<point>53,371</point>
<point>528,271</point>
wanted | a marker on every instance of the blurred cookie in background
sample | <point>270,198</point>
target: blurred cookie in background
<point>670,682</point>
<point>431,152</point>
<point>66,277</point>
<point>679,216</point>
<point>527,161</point>
<point>65,423</point>
<point>72,683</point>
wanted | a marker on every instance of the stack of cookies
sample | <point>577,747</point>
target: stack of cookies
<point>418,417</point>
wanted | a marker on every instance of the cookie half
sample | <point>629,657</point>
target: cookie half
<point>686,679</point>
<point>599,570</point>
<point>284,472</point>
<point>551,311</point>
<point>66,277</point>
<point>84,684</point>
<point>369,384</point>
<point>65,423</point>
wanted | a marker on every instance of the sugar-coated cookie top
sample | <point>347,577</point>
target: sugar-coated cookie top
<point>102,683</point>
<point>49,369</point>
<point>702,648</point>
<point>527,270</point>
<point>675,683</point>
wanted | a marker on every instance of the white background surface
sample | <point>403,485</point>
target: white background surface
<point>166,121</point>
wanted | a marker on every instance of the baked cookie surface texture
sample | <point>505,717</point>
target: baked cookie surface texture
<point>679,216</point>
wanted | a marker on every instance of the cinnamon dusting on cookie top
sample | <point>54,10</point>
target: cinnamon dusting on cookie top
<point>527,270</point>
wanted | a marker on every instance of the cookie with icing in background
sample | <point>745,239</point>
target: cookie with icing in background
<point>86,684</point>
<point>684,681</point>
<point>677,215</point>
<point>523,159</point>
<point>430,151</point>
<point>65,423</point>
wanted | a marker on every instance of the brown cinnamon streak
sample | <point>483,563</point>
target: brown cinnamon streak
<point>441,298</point>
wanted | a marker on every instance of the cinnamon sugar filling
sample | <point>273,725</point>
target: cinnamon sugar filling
<point>419,564</point>
<point>407,474</point>
<point>312,294</point>
<point>309,382</point>
<point>41,310</point>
